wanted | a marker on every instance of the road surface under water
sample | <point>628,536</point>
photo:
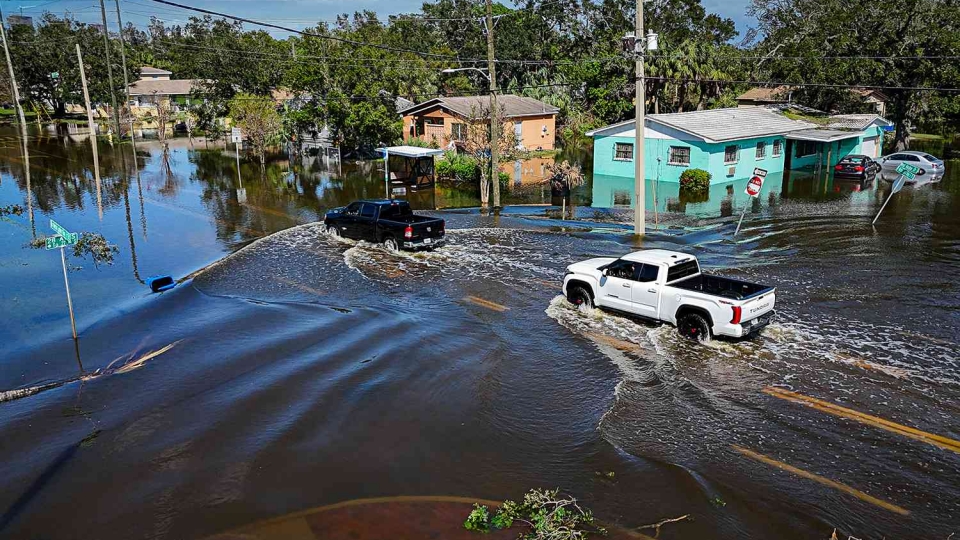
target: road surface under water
<point>304,370</point>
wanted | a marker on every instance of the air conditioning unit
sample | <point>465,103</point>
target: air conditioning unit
<point>732,171</point>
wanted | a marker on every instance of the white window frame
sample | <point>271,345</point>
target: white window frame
<point>616,150</point>
<point>670,160</point>
<point>777,148</point>
<point>761,151</point>
<point>736,158</point>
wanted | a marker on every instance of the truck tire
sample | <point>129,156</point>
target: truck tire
<point>390,244</point>
<point>578,295</point>
<point>333,231</point>
<point>694,326</point>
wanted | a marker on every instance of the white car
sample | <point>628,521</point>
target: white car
<point>668,286</point>
<point>931,168</point>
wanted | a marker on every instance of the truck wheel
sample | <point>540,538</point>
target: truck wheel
<point>390,243</point>
<point>579,296</point>
<point>694,326</point>
<point>333,231</point>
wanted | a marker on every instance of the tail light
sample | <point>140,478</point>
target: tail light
<point>737,312</point>
<point>443,228</point>
<point>838,168</point>
<point>408,232</point>
<point>858,168</point>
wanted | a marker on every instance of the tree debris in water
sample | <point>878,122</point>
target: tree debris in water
<point>656,526</point>
<point>100,250</point>
<point>547,514</point>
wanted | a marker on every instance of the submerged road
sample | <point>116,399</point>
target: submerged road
<point>304,371</point>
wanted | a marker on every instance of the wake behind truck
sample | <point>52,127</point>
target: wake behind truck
<point>668,286</point>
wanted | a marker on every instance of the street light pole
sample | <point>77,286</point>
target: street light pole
<point>640,210</point>
<point>494,120</point>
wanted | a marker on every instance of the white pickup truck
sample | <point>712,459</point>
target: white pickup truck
<point>667,286</point>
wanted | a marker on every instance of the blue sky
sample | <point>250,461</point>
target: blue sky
<point>294,13</point>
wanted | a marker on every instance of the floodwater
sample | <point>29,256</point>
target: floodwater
<point>297,370</point>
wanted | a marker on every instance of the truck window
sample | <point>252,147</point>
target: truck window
<point>396,210</point>
<point>353,209</point>
<point>369,211</point>
<point>648,273</point>
<point>682,270</point>
<point>622,269</point>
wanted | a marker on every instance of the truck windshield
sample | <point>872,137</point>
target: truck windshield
<point>683,270</point>
<point>395,211</point>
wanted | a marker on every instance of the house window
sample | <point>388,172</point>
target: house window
<point>777,148</point>
<point>761,150</point>
<point>433,121</point>
<point>679,155</point>
<point>459,132</point>
<point>623,152</point>
<point>731,154</point>
<point>806,148</point>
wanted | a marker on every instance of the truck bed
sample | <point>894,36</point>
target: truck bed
<point>721,286</point>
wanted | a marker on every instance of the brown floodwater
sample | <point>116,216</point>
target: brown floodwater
<point>297,371</point>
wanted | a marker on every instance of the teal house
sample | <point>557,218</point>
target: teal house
<point>730,143</point>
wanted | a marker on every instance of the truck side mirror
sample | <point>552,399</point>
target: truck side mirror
<point>606,272</point>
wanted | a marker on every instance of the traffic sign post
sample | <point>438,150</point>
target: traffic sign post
<point>753,190</point>
<point>897,186</point>
<point>236,136</point>
<point>63,239</point>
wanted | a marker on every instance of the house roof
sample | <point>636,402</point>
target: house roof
<point>150,70</point>
<point>871,92</point>
<point>411,151</point>
<point>717,125</point>
<point>822,135</point>
<point>468,106</point>
<point>858,122</point>
<point>777,94</point>
<point>179,87</point>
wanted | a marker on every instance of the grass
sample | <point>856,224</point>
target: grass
<point>819,120</point>
<point>926,137</point>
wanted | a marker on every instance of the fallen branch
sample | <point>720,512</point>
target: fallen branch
<point>656,526</point>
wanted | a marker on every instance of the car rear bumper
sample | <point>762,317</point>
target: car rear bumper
<point>421,244</point>
<point>751,327</point>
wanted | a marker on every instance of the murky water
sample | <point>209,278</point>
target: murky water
<point>302,370</point>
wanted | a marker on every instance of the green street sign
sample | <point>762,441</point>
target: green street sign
<point>57,242</point>
<point>910,171</point>
<point>58,229</point>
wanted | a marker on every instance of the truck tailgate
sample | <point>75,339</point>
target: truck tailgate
<point>759,306</point>
<point>428,229</point>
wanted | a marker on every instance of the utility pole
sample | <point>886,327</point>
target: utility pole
<point>640,182</point>
<point>20,116</point>
<point>93,131</point>
<point>126,79</point>
<point>494,118</point>
<point>106,50</point>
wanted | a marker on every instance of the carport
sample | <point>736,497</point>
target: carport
<point>408,167</point>
<point>809,147</point>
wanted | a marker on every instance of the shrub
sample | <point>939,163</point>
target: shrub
<point>695,181</point>
<point>544,514</point>
<point>457,167</point>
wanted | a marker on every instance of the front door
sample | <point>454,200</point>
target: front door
<point>616,286</point>
<point>348,221</point>
<point>518,133</point>
<point>366,224</point>
<point>646,290</point>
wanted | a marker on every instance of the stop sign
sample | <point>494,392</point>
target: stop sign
<point>754,185</point>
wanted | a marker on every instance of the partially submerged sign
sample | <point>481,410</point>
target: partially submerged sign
<point>908,170</point>
<point>63,238</point>
<point>898,184</point>
<point>754,185</point>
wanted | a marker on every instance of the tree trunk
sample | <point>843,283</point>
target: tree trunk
<point>901,110</point>
<point>59,109</point>
<point>484,188</point>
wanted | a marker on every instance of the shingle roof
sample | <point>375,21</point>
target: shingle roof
<point>150,70</point>
<point>858,122</point>
<point>178,87</point>
<point>731,124</point>
<point>821,135</point>
<point>467,106</point>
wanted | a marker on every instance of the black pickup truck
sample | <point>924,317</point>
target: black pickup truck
<point>390,222</point>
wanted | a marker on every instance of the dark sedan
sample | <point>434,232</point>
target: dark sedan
<point>856,166</point>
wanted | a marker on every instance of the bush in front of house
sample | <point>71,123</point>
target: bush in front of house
<point>457,167</point>
<point>695,181</point>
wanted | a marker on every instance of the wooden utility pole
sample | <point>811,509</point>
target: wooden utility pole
<point>21,117</point>
<point>494,116</point>
<point>93,131</point>
<point>640,182</point>
<point>126,79</point>
<point>106,50</point>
